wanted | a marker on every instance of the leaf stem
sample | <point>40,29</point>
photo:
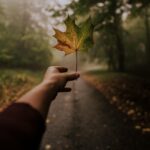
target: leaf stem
<point>76,60</point>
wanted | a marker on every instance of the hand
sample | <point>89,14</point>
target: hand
<point>43,94</point>
<point>57,77</point>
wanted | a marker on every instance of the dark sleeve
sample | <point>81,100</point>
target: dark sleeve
<point>21,127</point>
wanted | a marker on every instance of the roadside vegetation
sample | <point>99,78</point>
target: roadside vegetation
<point>14,83</point>
<point>129,93</point>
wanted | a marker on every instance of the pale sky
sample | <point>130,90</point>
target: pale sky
<point>64,2</point>
<point>57,4</point>
<point>60,2</point>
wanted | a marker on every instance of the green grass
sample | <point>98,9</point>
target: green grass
<point>20,72</point>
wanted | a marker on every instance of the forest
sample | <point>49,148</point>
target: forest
<point>24,40</point>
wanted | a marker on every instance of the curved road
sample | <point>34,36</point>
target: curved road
<point>84,120</point>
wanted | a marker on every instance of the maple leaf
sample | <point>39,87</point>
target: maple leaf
<point>75,38</point>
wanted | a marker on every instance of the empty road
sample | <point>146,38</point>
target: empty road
<point>84,120</point>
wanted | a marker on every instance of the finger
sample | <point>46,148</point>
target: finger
<point>61,69</point>
<point>53,70</point>
<point>71,76</point>
<point>66,89</point>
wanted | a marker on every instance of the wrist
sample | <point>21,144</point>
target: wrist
<point>49,88</point>
<point>48,85</point>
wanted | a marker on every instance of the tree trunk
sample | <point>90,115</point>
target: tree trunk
<point>111,62</point>
<point>147,32</point>
<point>119,44</point>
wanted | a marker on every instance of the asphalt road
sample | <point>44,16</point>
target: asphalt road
<point>84,120</point>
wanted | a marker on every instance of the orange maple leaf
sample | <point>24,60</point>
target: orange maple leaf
<point>75,38</point>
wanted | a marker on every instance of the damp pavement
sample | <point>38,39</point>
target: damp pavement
<point>85,120</point>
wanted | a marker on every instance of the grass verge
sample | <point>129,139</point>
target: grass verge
<point>14,83</point>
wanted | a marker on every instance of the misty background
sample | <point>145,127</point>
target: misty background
<point>121,33</point>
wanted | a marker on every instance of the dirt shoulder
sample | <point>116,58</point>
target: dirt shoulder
<point>130,95</point>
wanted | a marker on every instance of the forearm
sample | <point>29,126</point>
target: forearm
<point>40,97</point>
<point>21,126</point>
<point>24,117</point>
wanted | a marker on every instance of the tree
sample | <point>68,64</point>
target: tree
<point>26,39</point>
<point>142,8</point>
<point>107,15</point>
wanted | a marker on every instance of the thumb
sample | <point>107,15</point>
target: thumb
<point>71,76</point>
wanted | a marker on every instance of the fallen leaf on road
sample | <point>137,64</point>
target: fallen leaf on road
<point>114,98</point>
<point>47,121</point>
<point>131,112</point>
<point>138,127</point>
<point>146,130</point>
<point>47,147</point>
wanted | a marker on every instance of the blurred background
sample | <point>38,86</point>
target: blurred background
<point>121,32</point>
<point>117,65</point>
